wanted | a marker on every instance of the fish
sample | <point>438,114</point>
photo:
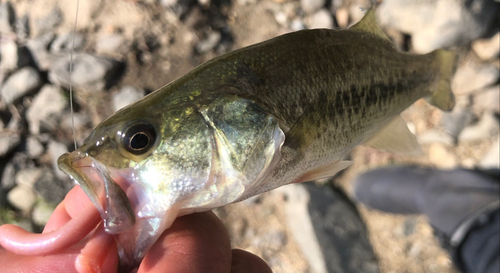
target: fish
<point>282,111</point>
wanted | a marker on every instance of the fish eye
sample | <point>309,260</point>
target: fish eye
<point>139,137</point>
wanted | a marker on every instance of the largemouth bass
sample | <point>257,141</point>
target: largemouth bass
<point>282,111</point>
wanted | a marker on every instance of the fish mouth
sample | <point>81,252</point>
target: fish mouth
<point>105,187</point>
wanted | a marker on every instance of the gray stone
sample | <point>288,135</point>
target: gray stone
<point>23,27</point>
<point>487,49</point>
<point>437,24</point>
<point>212,40</point>
<point>46,109</point>
<point>28,177</point>
<point>38,48</point>
<point>491,160</point>
<point>321,19</point>
<point>49,22</point>
<point>52,189</point>
<point>456,120</point>
<point>41,213</point>
<point>109,44</point>
<point>8,142</point>
<point>20,83</point>
<point>472,76</point>
<point>18,162</point>
<point>65,42</point>
<point>7,18</point>
<point>34,147</point>
<point>488,100</point>
<point>127,95</point>
<point>486,128</point>
<point>89,71</point>
<point>56,149</point>
<point>311,6</point>
<point>22,197</point>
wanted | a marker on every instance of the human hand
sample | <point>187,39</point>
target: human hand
<point>194,243</point>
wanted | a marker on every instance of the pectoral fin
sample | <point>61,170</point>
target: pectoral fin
<point>395,138</point>
<point>324,171</point>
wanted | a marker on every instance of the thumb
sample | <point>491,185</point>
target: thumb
<point>394,189</point>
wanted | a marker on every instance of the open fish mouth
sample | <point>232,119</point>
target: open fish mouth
<point>109,189</point>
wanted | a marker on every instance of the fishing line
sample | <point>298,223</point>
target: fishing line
<point>70,77</point>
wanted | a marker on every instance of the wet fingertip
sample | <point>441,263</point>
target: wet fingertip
<point>246,262</point>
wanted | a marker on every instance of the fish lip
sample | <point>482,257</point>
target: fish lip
<point>104,186</point>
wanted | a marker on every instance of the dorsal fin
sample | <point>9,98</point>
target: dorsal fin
<point>369,24</point>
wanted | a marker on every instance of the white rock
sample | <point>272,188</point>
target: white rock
<point>7,18</point>
<point>473,76</point>
<point>342,16</point>
<point>28,177</point>
<point>109,44</point>
<point>20,83</point>
<point>492,157</point>
<point>487,127</point>
<point>322,19</point>
<point>56,149</point>
<point>311,6</point>
<point>435,136</point>
<point>127,95</point>
<point>8,142</point>
<point>22,197</point>
<point>42,213</point>
<point>441,156</point>
<point>487,49</point>
<point>34,147</point>
<point>48,102</point>
<point>488,99</point>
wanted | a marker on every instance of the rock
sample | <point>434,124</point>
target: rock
<point>8,142</point>
<point>321,19</point>
<point>46,109</point>
<point>342,16</point>
<point>81,120</point>
<point>18,162</point>
<point>34,147</point>
<point>442,157</point>
<point>109,44</point>
<point>22,197</point>
<point>52,189</point>
<point>435,136</point>
<point>488,100</point>
<point>311,6</point>
<point>486,128</point>
<point>65,42</point>
<point>473,76</point>
<point>297,25</point>
<point>456,120</point>
<point>20,83</point>
<point>39,50</point>
<point>89,71</point>
<point>212,40</point>
<point>435,24</point>
<point>41,213</point>
<point>55,150</point>
<point>487,49</point>
<point>49,22</point>
<point>13,57</point>
<point>23,28</point>
<point>491,160</point>
<point>127,95</point>
<point>7,18</point>
<point>28,177</point>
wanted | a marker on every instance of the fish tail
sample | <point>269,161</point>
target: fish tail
<point>442,97</point>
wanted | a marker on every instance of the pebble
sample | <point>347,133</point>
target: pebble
<point>18,162</point>
<point>456,120</point>
<point>65,42</point>
<point>487,49</point>
<point>22,197</point>
<point>435,24</point>
<point>312,6</point>
<point>297,25</point>
<point>435,136</point>
<point>491,158</point>
<point>46,108</point>
<point>8,142</point>
<point>55,150</point>
<point>89,71</point>
<point>342,16</point>
<point>109,44</point>
<point>473,76</point>
<point>23,27</point>
<point>7,18</point>
<point>321,19</point>
<point>34,147</point>
<point>488,100</point>
<point>486,128</point>
<point>20,83</point>
<point>209,43</point>
<point>49,22</point>
<point>38,48</point>
<point>41,213</point>
<point>12,56</point>
<point>28,177</point>
<point>442,157</point>
<point>52,189</point>
<point>127,95</point>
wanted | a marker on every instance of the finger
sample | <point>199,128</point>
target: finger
<point>246,262</point>
<point>99,249</point>
<point>396,189</point>
<point>58,218</point>
<point>194,243</point>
